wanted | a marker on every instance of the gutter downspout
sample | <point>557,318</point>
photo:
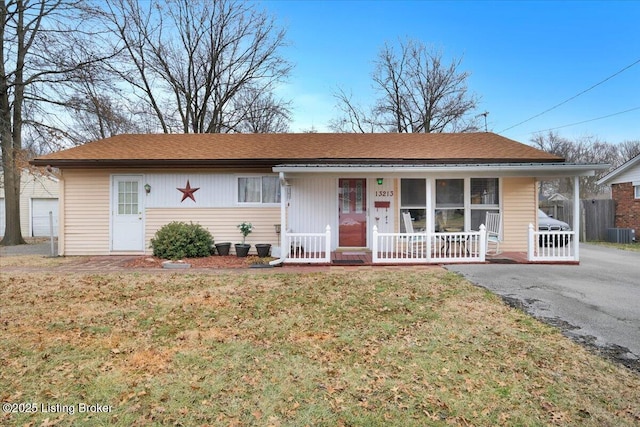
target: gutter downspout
<point>283,221</point>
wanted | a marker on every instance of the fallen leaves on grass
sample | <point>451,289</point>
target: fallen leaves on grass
<point>365,348</point>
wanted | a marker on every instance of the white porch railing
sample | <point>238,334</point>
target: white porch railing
<point>309,247</point>
<point>398,248</point>
<point>554,245</point>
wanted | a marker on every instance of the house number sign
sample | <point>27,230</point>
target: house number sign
<point>384,193</point>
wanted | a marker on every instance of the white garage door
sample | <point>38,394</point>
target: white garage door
<point>40,217</point>
<point>2,224</point>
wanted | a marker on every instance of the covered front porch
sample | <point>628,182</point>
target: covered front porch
<point>358,214</point>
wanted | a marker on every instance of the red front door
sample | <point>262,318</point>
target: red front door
<point>352,216</point>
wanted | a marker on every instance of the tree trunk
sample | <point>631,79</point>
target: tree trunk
<point>12,231</point>
<point>11,176</point>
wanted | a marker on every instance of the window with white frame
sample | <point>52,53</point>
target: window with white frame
<point>413,199</point>
<point>460,203</point>
<point>484,198</point>
<point>636,191</point>
<point>258,189</point>
<point>450,209</point>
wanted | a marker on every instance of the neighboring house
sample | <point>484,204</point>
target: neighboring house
<point>557,197</point>
<point>625,191</point>
<point>38,197</point>
<point>117,192</point>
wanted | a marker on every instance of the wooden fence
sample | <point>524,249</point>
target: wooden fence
<point>596,216</point>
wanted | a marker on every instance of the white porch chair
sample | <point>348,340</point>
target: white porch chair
<point>493,223</point>
<point>416,243</point>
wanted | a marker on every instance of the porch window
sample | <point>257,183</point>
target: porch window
<point>449,213</point>
<point>484,198</point>
<point>413,199</point>
<point>484,191</point>
<point>258,189</point>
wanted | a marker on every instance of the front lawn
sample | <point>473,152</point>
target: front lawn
<point>322,349</point>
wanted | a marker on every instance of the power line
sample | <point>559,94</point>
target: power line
<point>573,97</point>
<point>590,120</point>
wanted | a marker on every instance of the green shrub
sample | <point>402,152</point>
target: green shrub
<point>178,240</point>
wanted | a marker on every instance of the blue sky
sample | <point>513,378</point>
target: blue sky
<point>524,57</point>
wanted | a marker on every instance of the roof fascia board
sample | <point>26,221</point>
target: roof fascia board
<point>515,170</point>
<point>146,163</point>
<point>271,162</point>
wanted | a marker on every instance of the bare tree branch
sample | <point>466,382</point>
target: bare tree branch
<point>195,58</point>
<point>416,93</point>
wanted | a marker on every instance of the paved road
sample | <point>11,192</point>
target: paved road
<point>599,300</point>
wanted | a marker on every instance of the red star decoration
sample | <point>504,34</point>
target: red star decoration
<point>187,192</point>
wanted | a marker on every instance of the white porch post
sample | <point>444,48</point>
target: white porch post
<point>576,216</point>
<point>283,216</point>
<point>327,244</point>
<point>430,211</point>
<point>374,245</point>
<point>530,243</point>
<point>483,243</point>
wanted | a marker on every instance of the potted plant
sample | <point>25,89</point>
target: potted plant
<point>223,248</point>
<point>242,249</point>
<point>263,249</point>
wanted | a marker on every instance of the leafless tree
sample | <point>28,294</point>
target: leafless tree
<point>584,150</point>
<point>43,42</point>
<point>417,92</point>
<point>191,61</point>
<point>261,112</point>
<point>628,150</point>
<point>98,109</point>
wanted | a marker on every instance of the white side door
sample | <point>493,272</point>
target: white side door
<point>127,225</point>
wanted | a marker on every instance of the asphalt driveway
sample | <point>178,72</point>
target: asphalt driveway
<point>596,303</point>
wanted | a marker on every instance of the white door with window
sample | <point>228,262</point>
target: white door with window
<point>127,224</point>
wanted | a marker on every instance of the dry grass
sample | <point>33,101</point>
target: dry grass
<point>367,348</point>
<point>35,261</point>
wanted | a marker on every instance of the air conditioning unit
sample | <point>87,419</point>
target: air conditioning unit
<point>621,235</point>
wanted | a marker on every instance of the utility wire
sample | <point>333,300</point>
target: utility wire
<point>590,120</point>
<point>574,97</point>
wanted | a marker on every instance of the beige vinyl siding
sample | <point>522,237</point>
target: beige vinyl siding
<point>85,219</point>
<point>519,207</point>
<point>85,213</point>
<point>222,223</point>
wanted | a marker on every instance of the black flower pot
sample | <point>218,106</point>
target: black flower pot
<point>242,250</point>
<point>223,248</point>
<point>263,249</point>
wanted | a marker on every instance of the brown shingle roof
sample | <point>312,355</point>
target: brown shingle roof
<point>271,149</point>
